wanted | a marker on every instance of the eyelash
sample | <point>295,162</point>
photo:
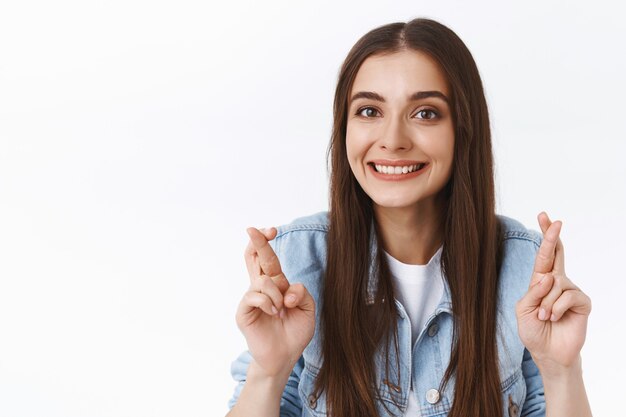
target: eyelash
<point>358,112</point>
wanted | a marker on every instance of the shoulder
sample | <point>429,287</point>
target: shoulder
<point>310,223</point>
<point>303,236</point>
<point>301,248</point>
<point>519,245</point>
<point>514,232</point>
<point>519,250</point>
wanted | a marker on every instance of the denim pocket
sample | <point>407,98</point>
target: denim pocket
<point>513,393</point>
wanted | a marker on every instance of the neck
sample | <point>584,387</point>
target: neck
<point>411,235</point>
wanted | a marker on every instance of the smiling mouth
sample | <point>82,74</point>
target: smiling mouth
<point>395,170</point>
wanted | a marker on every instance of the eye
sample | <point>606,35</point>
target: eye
<point>359,111</point>
<point>432,113</point>
<point>428,111</point>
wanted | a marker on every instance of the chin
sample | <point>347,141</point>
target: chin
<point>395,202</point>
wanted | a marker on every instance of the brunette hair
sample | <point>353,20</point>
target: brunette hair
<point>351,328</point>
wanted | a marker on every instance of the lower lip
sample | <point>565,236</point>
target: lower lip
<point>397,177</point>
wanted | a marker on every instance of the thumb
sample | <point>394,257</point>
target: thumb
<point>536,292</point>
<point>298,296</point>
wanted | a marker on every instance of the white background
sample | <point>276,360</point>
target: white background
<point>139,139</point>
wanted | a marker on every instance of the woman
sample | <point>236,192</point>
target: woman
<point>410,296</point>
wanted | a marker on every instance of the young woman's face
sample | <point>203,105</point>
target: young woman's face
<point>399,119</point>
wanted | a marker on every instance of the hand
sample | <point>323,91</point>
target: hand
<point>552,315</point>
<point>276,318</point>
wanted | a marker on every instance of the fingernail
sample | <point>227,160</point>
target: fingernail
<point>542,314</point>
<point>274,311</point>
<point>553,317</point>
<point>291,298</point>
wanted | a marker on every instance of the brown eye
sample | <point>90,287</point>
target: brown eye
<point>433,113</point>
<point>368,114</point>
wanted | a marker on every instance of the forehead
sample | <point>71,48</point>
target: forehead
<point>402,73</point>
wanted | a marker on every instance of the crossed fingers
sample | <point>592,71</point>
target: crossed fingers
<point>550,265</point>
<point>550,257</point>
<point>261,260</point>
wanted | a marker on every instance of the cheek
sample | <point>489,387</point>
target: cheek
<point>351,152</point>
<point>440,146</point>
<point>356,144</point>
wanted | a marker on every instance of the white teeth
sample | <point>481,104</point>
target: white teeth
<point>397,170</point>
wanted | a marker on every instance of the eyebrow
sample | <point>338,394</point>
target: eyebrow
<point>413,97</point>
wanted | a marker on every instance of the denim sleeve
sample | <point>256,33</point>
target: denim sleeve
<point>290,403</point>
<point>535,403</point>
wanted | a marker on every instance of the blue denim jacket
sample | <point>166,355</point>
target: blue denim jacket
<point>301,249</point>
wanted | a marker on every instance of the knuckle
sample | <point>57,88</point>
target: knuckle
<point>279,279</point>
<point>565,298</point>
<point>248,298</point>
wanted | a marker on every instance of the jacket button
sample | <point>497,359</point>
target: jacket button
<point>513,408</point>
<point>312,401</point>
<point>432,330</point>
<point>432,396</point>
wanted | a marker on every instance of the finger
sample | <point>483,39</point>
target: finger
<point>269,262</point>
<point>267,286</point>
<point>252,262</point>
<point>558,286</point>
<point>571,300</point>
<point>267,256</point>
<point>559,257</point>
<point>544,260</point>
<point>251,257</point>
<point>252,300</point>
<point>544,221</point>
<point>532,299</point>
<point>270,233</point>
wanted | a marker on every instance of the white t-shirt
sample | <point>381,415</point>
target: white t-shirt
<point>419,289</point>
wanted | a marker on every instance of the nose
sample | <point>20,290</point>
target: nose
<point>395,137</point>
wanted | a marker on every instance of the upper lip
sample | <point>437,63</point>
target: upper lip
<point>395,163</point>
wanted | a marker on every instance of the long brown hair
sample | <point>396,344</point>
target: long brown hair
<point>352,329</point>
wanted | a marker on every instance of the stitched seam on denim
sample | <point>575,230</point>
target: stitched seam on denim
<point>511,380</point>
<point>443,405</point>
<point>517,234</point>
<point>282,230</point>
<point>314,370</point>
